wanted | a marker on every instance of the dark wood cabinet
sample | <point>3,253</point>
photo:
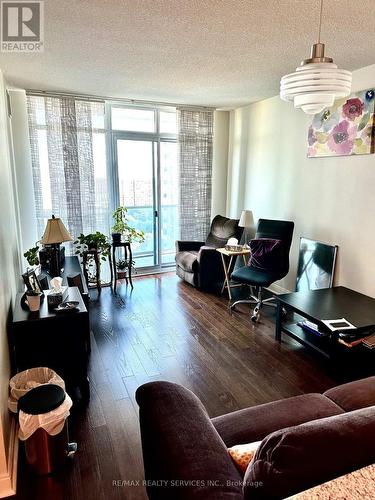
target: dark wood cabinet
<point>58,340</point>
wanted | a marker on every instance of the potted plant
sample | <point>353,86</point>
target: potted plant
<point>119,216</point>
<point>121,227</point>
<point>32,255</point>
<point>121,266</point>
<point>93,241</point>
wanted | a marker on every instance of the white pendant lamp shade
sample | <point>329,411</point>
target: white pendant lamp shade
<point>316,84</point>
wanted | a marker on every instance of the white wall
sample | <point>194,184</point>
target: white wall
<point>220,163</point>
<point>9,275</point>
<point>329,199</point>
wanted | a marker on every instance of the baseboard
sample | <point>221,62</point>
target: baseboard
<point>8,482</point>
<point>277,289</point>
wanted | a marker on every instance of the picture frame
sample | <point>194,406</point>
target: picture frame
<point>345,129</point>
<point>31,281</point>
<point>316,265</point>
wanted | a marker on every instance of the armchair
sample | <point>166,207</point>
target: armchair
<point>198,263</point>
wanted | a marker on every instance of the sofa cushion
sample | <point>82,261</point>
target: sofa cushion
<point>188,261</point>
<point>354,395</point>
<point>253,424</point>
<point>222,229</point>
<point>296,458</point>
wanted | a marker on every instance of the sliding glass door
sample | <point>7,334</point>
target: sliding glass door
<point>136,186</point>
<point>145,178</point>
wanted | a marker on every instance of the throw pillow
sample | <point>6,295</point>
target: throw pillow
<point>266,253</point>
<point>242,454</point>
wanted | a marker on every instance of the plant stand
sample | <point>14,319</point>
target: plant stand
<point>95,254</point>
<point>128,256</point>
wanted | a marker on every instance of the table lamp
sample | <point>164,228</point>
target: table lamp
<point>54,234</point>
<point>246,221</point>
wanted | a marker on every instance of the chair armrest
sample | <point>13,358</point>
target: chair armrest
<point>207,253</point>
<point>182,451</point>
<point>188,246</point>
<point>211,273</point>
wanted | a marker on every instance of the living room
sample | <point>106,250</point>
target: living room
<point>151,161</point>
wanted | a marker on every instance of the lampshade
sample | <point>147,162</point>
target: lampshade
<point>316,84</point>
<point>246,219</point>
<point>55,232</point>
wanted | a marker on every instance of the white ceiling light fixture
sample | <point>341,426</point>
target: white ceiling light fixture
<point>317,82</point>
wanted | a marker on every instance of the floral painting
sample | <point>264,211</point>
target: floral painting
<point>347,128</point>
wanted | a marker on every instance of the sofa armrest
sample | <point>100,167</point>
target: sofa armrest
<point>184,456</point>
<point>188,246</point>
<point>297,458</point>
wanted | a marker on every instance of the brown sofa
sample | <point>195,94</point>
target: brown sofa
<point>307,440</point>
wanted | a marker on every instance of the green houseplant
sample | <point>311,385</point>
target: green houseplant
<point>93,241</point>
<point>32,255</point>
<point>121,227</point>
<point>122,265</point>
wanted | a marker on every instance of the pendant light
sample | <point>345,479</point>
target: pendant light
<point>317,82</point>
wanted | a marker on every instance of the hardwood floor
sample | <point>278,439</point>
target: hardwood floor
<point>166,329</point>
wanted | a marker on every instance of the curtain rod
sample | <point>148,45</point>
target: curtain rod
<point>124,100</point>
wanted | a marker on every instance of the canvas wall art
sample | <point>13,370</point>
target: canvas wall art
<point>347,128</point>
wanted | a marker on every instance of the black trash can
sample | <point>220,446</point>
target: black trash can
<point>44,452</point>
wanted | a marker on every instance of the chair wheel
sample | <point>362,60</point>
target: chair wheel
<point>256,314</point>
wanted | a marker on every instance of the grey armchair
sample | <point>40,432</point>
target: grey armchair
<point>198,263</point>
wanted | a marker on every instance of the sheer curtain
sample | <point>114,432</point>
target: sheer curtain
<point>68,155</point>
<point>195,130</point>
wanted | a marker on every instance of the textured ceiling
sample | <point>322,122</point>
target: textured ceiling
<point>224,53</point>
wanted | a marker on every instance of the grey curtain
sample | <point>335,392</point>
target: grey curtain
<point>195,130</point>
<point>68,156</point>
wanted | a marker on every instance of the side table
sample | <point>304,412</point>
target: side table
<point>128,256</point>
<point>227,265</point>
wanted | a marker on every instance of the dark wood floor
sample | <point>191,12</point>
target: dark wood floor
<point>165,329</point>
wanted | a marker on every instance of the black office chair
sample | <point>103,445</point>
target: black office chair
<point>258,277</point>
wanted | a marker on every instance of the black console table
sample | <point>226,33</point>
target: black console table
<point>58,340</point>
<point>330,303</point>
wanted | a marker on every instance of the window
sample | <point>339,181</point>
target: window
<point>133,120</point>
<point>68,155</point>
<point>82,177</point>
<point>168,123</point>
